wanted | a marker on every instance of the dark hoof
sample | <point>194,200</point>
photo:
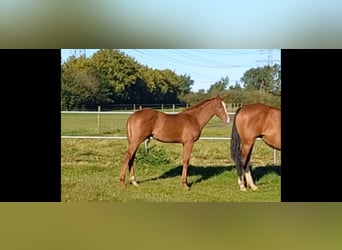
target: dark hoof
<point>186,186</point>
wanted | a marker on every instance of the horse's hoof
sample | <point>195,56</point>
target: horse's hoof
<point>122,183</point>
<point>254,188</point>
<point>186,186</point>
<point>135,183</point>
<point>244,189</point>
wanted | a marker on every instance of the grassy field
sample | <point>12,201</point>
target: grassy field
<point>90,167</point>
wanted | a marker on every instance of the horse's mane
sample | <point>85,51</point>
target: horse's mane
<point>199,104</point>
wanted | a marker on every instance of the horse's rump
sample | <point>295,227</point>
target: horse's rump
<point>259,120</point>
<point>140,124</point>
<point>253,121</point>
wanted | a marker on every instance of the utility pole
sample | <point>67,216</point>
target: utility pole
<point>269,58</point>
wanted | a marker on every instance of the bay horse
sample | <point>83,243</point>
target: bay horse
<point>184,127</point>
<point>253,121</point>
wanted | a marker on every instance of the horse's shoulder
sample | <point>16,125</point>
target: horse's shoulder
<point>185,115</point>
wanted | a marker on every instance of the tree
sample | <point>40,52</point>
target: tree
<point>265,79</point>
<point>117,70</point>
<point>80,87</point>
<point>219,86</point>
<point>110,76</point>
<point>184,85</point>
<point>237,86</point>
<point>276,75</point>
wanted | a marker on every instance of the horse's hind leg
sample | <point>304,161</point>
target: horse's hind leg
<point>248,174</point>
<point>240,173</point>
<point>241,178</point>
<point>131,164</point>
<point>128,161</point>
<point>249,178</point>
<point>132,171</point>
<point>125,161</point>
<point>243,167</point>
<point>239,158</point>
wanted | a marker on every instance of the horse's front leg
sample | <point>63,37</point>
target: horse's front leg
<point>187,148</point>
<point>241,178</point>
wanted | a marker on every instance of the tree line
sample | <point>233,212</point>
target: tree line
<point>110,77</point>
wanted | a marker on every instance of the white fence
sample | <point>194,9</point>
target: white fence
<point>124,137</point>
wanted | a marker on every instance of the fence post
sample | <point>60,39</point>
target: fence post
<point>173,108</point>
<point>98,118</point>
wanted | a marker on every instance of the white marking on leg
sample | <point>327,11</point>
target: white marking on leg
<point>249,179</point>
<point>241,183</point>
<point>133,181</point>
<point>225,110</point>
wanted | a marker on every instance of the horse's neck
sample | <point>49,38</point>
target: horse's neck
<point>203,114</point>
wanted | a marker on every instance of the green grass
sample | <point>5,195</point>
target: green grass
<point>90,168</point>
<point>114,125</point>
<point>88,124</point>
<point>90,172</point>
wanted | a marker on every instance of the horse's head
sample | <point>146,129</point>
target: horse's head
<point>220,109</point>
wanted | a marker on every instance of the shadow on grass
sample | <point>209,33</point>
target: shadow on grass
<point>204,172</point>
<point>261,171</point>
<point>208,172</point>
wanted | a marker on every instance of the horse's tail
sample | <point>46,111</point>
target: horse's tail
<point>235,148</point>
<point>128,129</point>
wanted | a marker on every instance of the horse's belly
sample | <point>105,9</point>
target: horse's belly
<point>174,129</point>
<point>176,135</point>
<point>273,141</point>
<point>167,136</point>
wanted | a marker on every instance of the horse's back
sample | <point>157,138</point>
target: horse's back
<point>142,115</point>
<point>256,108</point>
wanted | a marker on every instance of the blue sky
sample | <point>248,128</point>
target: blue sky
<point>205,66</point>
<point>171,24</point>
